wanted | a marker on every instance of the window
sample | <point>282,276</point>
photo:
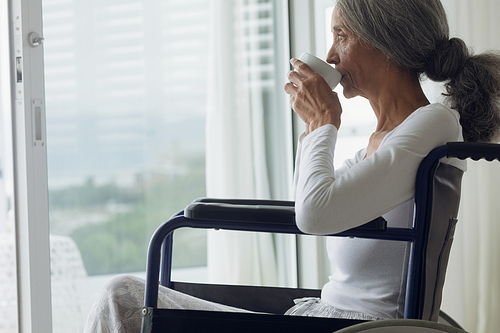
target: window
<point>126,86</point>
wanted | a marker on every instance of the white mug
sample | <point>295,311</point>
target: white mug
<point>330,74</point>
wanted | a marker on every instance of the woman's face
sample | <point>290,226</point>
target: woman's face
<point>359,64</point>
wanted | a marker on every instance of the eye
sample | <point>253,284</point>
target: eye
<point>339,34</point>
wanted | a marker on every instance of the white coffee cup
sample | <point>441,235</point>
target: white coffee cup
<point>330,74</point>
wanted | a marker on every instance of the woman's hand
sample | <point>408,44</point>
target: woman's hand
<point>311,97</point>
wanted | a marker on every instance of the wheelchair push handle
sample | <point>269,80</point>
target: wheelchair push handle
<point>474,150</point>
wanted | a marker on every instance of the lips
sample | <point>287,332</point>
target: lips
<point>340,72</point>
<point>343,75</point>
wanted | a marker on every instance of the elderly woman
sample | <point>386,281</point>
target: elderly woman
<point>381,48</point>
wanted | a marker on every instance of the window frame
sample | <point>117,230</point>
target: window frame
<point>30,170</point>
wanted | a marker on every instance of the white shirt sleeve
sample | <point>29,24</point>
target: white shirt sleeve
<point>327,202</point>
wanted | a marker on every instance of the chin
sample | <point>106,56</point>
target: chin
<point>349,91</point>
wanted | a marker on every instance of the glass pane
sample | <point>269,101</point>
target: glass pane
<point>127,85</point>
<point>125,95</point>
<point>8,277</point>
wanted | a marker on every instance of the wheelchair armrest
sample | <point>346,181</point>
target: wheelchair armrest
<point>259,212</point>
<point>255,211</point>
<point>239,215</point>
<point>249,202</point>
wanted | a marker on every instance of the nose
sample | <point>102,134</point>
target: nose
<point>332,57</point>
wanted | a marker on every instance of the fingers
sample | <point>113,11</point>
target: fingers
<point>301,67</point>
<point>311,98</point>
<point>294,77</point>
<point>290,88</point>
<point>295,80</point>
<point>301,71</point>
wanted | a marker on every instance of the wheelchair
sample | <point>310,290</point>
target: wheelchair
<point>437,196</point>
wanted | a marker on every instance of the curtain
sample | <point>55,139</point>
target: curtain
<point>236,163</point>
<point>472,290</point>
<point>479,247</point>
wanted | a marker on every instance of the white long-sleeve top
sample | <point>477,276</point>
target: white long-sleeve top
<point>368,274</point>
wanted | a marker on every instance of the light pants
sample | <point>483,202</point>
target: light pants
<point>118,306</point>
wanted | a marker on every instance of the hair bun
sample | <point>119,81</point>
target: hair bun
<point>447,60</point>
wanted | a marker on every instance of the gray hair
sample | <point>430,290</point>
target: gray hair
<point>415,35</point>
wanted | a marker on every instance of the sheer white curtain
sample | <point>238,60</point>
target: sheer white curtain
<point>472,291</point>
<point>236,162</point>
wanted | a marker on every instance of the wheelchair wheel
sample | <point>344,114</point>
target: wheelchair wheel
<point>401,326</point>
